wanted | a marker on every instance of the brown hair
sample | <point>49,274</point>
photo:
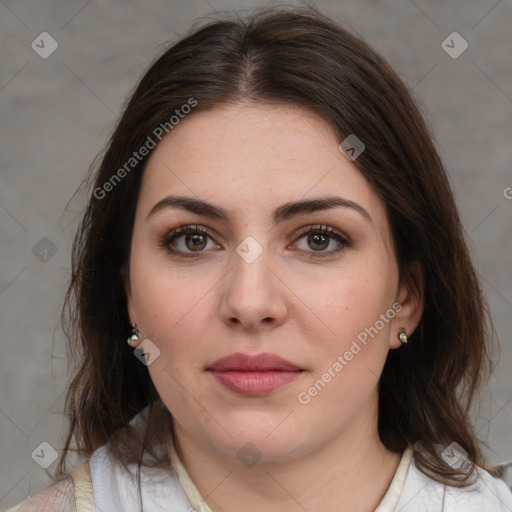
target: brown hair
<point>296,57</point>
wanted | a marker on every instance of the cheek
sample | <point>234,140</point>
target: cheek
<point>350,356</point>
<point>164,295</point>
<point>351,303</point>
<point>172,312</point>
<point>173,319</point>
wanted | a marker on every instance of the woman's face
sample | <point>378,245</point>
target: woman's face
<point>253,281</point>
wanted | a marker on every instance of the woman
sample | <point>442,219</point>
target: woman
<point>272,229</point>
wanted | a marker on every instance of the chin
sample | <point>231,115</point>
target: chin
<point>272,442</point>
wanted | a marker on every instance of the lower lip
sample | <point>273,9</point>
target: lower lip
<point>254,383</point>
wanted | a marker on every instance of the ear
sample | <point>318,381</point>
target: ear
<point>410,298</point>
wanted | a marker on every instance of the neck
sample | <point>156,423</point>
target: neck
<point>350,472</point>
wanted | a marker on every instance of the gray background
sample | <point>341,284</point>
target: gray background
<point>56,113</point>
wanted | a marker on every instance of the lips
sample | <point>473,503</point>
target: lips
<point>260,363</point>
<point>254,375</point>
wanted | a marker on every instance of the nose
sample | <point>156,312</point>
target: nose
<point>253,295</point>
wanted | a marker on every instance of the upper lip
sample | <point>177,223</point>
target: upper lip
<point>260,362</point>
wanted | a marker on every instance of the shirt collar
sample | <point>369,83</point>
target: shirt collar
<point>387,504</point>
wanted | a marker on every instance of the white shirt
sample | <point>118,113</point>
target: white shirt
<point>173,491</point>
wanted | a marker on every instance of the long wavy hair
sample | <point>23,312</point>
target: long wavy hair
<point>299,57</point>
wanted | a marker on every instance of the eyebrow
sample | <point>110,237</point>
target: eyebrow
<point>284,212</point>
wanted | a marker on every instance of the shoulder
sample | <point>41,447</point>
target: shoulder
<point>57,497</point>
<point>116,489</point>
<point>486,494</point>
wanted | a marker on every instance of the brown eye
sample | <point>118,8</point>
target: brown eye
<point>187,240</point>
<point>320,238</point>
<point>195,242</point>
<point>318,241</point>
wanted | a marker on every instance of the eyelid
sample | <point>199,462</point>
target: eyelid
<point>325,228</point>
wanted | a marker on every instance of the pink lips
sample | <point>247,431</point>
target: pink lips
<point>254,375</point>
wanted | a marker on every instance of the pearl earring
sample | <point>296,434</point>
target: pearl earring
<point>402,336</point>
<point>134,336</point>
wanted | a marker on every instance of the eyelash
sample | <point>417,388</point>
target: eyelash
<point>332,233</point>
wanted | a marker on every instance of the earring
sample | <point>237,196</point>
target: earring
<point>402,336</point>
<point>134,336</point>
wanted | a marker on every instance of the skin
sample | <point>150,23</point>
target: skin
<point>251,159</point>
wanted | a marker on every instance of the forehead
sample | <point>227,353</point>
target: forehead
<point>245,154</point>
<point>262,138</point>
